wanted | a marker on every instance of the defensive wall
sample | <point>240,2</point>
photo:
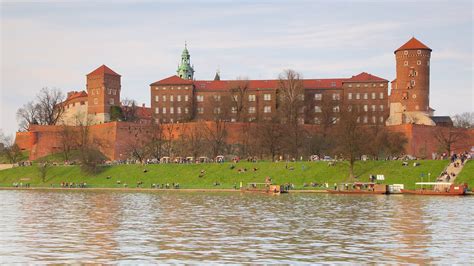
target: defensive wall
<point>115,139</point>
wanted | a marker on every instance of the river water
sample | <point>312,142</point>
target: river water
<point>184,227</point>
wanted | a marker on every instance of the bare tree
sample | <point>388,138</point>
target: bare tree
<point>10,149</point>
<point>270,138</point>
<point>464,120</point>
<point>194,140</point>
<point>27,115</point>
<point>290,96</point>
<point>129,110</point>
<point>68,139</point>
<point>447,137</point>
<point>351,137</point>
<point>50,107</point>
<point>90,154</point>
<point>239,93</point>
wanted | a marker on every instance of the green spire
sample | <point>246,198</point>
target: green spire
<point>185,70</point>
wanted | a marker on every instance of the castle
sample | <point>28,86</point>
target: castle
<point>182,99</point>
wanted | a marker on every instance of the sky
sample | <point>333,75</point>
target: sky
<point>56,43</point>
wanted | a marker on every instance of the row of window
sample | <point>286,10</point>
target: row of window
<point>366,85</point>
<point>364,119</point>
<point>365,96</point>
<point>418,62</point>
<point>171,98</point>
<point>319,96</point>
<point>109,91</point>
<point>171,110</point>
<point>336,109</point>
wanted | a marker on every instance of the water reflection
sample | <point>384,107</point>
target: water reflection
<point>110,227</point>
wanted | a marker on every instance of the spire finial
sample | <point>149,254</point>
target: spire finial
<point>185,44</point>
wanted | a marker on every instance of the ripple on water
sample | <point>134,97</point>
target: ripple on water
<point>112,227</point>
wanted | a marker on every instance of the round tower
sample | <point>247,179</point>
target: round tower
<point>413,77</point>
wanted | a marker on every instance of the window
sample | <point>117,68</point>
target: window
<point>317,109</point>
<point>381,119</point>
<point>171,110</point>
<point>374,95</point>
<point>412,83</point>
<point>365,119</point>
<point>418,62</point>
<point>217,98</point>
<point>357,96</point>
<point>157,110</point>
<point>267,109</point>
<point>186,98</point>
<point>200,110</point>
<point>114,92</point>
<point>178,98</point>
<point>251,110</point>
<point>366,85</point>
<point>349,96</point>
<point>318,96</point>
<point>381,95</point>
<point>405,52</point>
<point>405,63</point>
<point>366,96</point>
<point>267,97</point>
<point>418,52</point>
<point>381,108</point>
<point>366,108</point>
<point>252,98</point>
<point>217,110</point>
<point>405,96</point>
<point>163,110</point>
<point>336,96</point>
<point>334,120</point>
<point>164,98</point>
<point>171,98</point>
<point>186,110</point>
<point>96,101</point>
<point>301,97</point>
<point>157,98</point>
<point>111,101</point>
<point>374,108</point>
<point>358,85</point>
<point>333,84</point>
<point>374,120</point>
<point>374,85</point>
<point>178,110</point>
<point>317,121</point>
<point>235,98</point>
<point>381,85</point>
<point>109,91</point>
<point>350,85</point>
<point>200,98</point>
<point>233,109</point>
<point>179,87</point>
<point>335,109</point>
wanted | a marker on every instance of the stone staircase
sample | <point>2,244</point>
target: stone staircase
<point>451,171</point>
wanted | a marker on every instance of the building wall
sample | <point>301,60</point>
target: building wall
<point>370,98</point>
<point>75,112</point>
<point>103,92</point>
<point>172,103</point>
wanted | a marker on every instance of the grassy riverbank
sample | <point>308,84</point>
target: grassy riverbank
<point>188,176</point>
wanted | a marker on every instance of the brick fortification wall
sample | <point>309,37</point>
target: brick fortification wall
<point>115,139</point>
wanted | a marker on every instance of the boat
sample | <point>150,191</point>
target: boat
<point>359,188</point>
<point>437,188</point>
<point>265,188</point>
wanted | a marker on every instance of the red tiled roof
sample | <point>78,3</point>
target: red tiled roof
<point>365,77</point>
<point>268,84</point>
<point>144,112</point>
<point>173,80</point>
<point>103,69</point>
<point>413,44</point>
<point>76,94</point>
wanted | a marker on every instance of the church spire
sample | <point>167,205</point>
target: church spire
<point>185,70</point>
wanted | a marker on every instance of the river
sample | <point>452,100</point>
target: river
<point>185,227</point>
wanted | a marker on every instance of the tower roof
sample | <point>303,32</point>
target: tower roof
<point>413,44</point>
<point>103,69</point>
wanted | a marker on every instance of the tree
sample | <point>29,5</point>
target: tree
<point>27,115</point>
<point>129,110</point>
<point>68,141</point>
<point>90,156</point>
<point>464,120</point>
<point>9,148</point>
<point>116,113</point>
<point>351,137</point>
<point>270,135</point>
<point>447,137</point>
<point>47,109</point>
<point>43,170</point>
<point>239,93</point>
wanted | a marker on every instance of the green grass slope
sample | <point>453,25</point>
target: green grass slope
<point>467,174</point>
<point>188,175</point>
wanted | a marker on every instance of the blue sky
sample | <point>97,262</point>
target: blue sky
<point>56,43</point>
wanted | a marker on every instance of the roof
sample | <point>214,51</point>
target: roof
<point>103,69</point>
<point>268,84</point>
<point>362,77</point>
<point>173,80</point>
<point>441,119</point>
<point>144,112</point>
<point>413,44</point>
<point>76,94</point>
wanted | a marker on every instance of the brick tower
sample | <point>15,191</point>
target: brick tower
<point>410,94</point>
<point>103,89</point>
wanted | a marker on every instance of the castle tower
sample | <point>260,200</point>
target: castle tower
<point>103,89</point>
<point>185,70</point>
<point>410,94</point>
